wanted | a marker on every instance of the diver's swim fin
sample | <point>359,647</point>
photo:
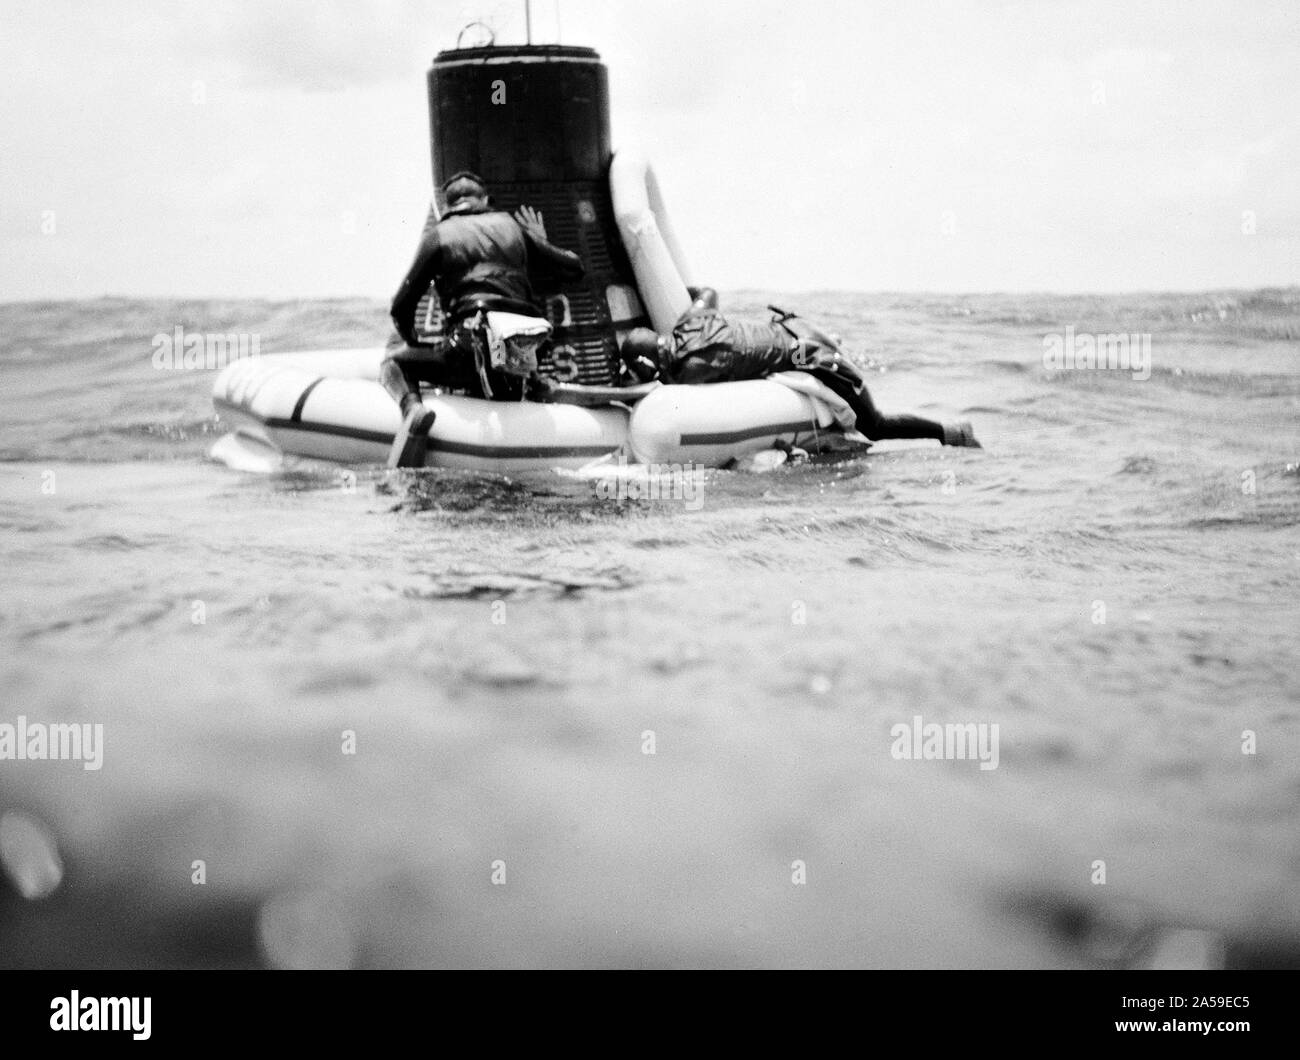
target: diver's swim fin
<point>412,439</point>
<point>960,435</point>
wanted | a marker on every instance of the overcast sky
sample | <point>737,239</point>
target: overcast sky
<point>279,148</point>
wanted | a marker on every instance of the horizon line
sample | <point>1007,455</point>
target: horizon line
<point>912,292</point>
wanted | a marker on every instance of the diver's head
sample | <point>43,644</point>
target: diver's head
<point>466,192</point>
<point>643,344</point>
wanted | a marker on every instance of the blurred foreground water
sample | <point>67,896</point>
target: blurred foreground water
<point>404,720</point>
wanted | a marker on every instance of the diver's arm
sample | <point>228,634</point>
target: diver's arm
<point>552,261</point>
<point>421,274</point>
<point>543,255</point>
<point>696,369</point>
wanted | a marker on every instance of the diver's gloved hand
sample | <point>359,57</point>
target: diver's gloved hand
<point>539,388</point>
<point>643,355</point>
<point>642,369</point>
<point>702,298</point>
<point>532,222</point>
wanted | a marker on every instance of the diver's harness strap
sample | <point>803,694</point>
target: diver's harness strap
<point>779,318</point>
<point>798,356</point>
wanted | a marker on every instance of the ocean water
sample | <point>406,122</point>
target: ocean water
<point>407,720</point>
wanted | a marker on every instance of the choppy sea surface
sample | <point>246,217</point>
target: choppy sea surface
<point>407,720</point>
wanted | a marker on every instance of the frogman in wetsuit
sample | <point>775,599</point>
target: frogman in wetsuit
<point>480,260</point>
<point>705,347</point>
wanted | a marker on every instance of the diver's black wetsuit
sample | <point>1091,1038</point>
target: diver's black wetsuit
<point>871,421</point>
<point>479,259</point>
<point>708,348</point>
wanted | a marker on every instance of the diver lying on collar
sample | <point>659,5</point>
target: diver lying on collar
<point>706,347</point>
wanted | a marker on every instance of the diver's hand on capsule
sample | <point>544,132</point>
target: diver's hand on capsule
<point>531,221</point>
<point>541,389</point>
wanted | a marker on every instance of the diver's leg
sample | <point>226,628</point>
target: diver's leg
<point>877,426</point>
<point>402,387</point>
<point>400,374</point>
<point>880,426</point>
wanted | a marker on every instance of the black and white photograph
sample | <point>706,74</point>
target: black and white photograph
<point>563,485</point>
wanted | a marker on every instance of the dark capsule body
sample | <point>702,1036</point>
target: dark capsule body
<point>533,121</point>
